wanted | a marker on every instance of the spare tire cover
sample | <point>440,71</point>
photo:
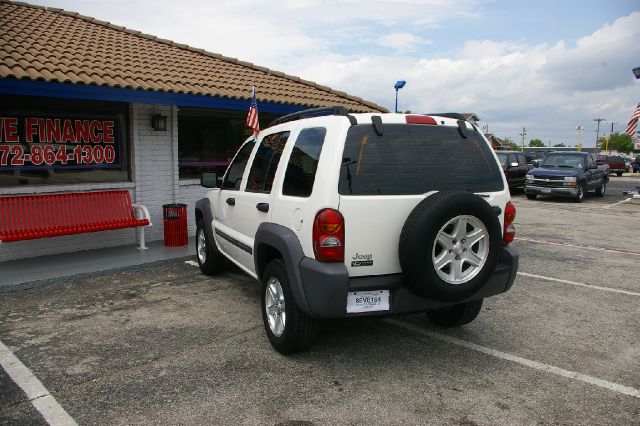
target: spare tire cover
<point>449,245</point>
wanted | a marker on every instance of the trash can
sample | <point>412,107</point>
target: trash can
<point>176,233</point>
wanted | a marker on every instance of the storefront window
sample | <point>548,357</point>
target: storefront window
<point>208,139</point>
<point>46,141</point>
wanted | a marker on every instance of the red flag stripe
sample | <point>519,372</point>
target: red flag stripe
<point>633,122</point>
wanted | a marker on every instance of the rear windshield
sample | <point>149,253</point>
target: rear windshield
<point>502,158</point>
<point>415,159</point>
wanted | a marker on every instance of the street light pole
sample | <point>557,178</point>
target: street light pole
<point>399,85</point>
<point>523,134</point>
<point>598,120</point>
<point>579,139</point>
<point>610,135</point>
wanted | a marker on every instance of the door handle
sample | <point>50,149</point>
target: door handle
<point>263,207</point>
<point>231,201</point>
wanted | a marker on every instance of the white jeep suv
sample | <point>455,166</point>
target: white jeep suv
<point>345,215</point>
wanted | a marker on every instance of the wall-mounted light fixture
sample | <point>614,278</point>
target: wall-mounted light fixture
<point>159,122</point>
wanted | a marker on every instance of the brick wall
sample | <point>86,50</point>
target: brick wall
<point>155,182</point>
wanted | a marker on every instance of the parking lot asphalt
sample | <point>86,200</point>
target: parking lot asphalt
<point>163,344</point>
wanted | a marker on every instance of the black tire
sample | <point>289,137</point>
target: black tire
<point>582,189</point>
<point>211,261</point>
<point>532,196</point>
<point>299,328</point>
<point>618,174</point>
<point>417,246</point>
<point>601,189</point>
<point>456,315</point>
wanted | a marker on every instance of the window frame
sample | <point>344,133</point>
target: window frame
<point>251,143</point>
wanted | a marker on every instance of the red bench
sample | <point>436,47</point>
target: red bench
<point>28,217</point>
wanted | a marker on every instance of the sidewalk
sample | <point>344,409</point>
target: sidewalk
<point>27,273</point>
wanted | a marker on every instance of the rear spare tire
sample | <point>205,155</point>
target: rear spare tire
<point>449,245</point>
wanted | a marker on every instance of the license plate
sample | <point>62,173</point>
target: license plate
<point>546,190</point>
<point>367,301</point>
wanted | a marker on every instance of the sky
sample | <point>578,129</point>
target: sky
<point>546,65</point>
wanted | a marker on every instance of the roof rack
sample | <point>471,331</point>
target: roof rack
<point>315,112</point>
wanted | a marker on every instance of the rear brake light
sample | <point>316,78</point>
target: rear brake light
<point>509,229</point>
<point>328,236</point>
<point>420,119</point>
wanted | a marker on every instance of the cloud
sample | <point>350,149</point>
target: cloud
<point>363,48</point>
<point>402,42</point>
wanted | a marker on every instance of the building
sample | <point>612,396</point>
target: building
<point>140,113</point>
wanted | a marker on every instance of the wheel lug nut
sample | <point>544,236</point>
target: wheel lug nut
<point>462,241</point>
<point>454,241</point>
<point>457,257</point>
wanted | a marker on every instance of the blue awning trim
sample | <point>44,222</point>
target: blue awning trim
<point>11,86</point>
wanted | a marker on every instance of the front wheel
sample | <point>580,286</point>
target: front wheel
<point>456,315</point>
<point>580,195</point>
<point>601,189</point>
<point>288,328</point>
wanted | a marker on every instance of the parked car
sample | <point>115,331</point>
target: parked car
<point>349,215</point>
<point>635,165</point>
<point>566,174</point>
<point>615,162</point>
<point>514,166</point>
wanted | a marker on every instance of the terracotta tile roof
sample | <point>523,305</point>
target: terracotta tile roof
<point>51,44</point>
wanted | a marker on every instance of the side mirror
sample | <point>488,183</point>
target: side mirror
<point>513,165</point>
<point>209,180</point>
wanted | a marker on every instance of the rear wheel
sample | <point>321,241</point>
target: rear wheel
<point>210,260</point>
<point>532,196</point>
<point>456,315</point>
<point>288,328</point>
<point>618,174</point>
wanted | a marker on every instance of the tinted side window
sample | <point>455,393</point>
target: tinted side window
<point>265,163</point>
<point>512,159</point>
<point>521,159</point>
<point>301,170</point>
<point>233,177</point>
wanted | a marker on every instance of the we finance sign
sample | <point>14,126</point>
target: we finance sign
<point>33,142</point>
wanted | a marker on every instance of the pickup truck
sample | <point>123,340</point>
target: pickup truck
<point>615,162</point>
<point>566,174</point>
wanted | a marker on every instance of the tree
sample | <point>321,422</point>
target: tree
<point>620,142</point>
<point>536,143</point>
<point>559,145</point>
<point>513,146</point>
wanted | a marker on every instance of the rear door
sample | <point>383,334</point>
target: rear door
<point>383,178</point>
<point>250,205</point>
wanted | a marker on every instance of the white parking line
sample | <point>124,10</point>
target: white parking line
<point>608,206</point>
<point>580,246</point>
<point>597,287</point>
<point>615,387</point>
<point>39,396</point>
<point>191,262</point>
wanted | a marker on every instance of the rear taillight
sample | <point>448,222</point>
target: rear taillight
<point>328,236</point>
<point>509,229</point>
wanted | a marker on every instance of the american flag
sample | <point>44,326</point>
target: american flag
<point>633,122</point>
<point>252,118</point>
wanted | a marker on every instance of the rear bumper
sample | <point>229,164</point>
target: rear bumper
<point>554,191</point>
<point>325,287</point>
